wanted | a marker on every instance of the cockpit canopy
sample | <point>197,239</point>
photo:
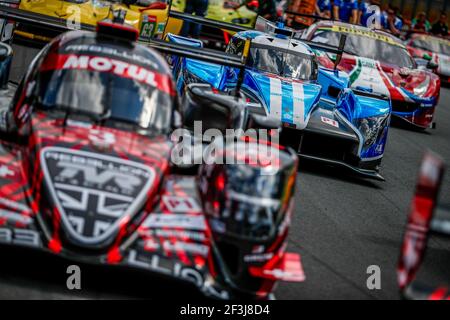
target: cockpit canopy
<point>284,57</point>
<point>283,63</point>
<point>107,79</point>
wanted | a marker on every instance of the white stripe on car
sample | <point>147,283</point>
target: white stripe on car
<point>276,98</point>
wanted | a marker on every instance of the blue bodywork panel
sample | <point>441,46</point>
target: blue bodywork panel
<point>294,102</point>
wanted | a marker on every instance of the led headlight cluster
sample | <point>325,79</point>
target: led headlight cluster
<point>372,128</point>
<point>422,88</point>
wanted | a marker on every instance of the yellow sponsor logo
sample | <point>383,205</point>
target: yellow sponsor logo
<point>367,33</point>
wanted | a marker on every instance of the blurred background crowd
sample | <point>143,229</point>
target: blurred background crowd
<point>399,17</point>
<point>396,17</point>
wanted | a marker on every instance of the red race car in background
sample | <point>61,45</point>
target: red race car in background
<point>378,62</point>
<point>434,49</point>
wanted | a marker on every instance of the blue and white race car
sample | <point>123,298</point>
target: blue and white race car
<point>322,117</point>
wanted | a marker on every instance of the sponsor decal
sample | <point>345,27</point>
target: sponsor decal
<point>161,27</point>
<point>93,192</point>
<point>176,246</point>
<point>21,237</point>
<point>365,33</point>
<point>368,73</point>
<point>92,49</point>
<point>156,220</point>
<point>106,64</point>
<point>330,122</point>
<point>258,257</point>
<point>181,204</point>
<point>180,234</point>
<point>379,148</point>
<point>175,269</point>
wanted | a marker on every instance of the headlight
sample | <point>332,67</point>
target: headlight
<point>422,88</point>
<point>240,21</point>
<point>371,128</point>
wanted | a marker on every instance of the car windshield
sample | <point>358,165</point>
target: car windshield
<point>285,63</point>
<point>107,95</point>
<point>432,44</point>
<point>367,47</point>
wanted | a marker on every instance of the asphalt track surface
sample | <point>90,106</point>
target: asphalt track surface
<point>342,225</point>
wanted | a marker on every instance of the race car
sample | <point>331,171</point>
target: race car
<point>235,12</point>
<point>323,119</point>
<point>434,49</point>
<point>87,172</point>
<point>240,13</point>
<point>147,16</point>
<point>380,63</point>
<point>426,238</point>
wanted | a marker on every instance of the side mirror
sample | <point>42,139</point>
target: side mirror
<point>6,53</point>
<point>421,63</point>
<point>253,5</point>
<point>427,57</point>
<point>215,110</point>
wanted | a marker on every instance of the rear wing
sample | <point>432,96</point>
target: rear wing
<point>61,25</point>
<point>265,26</point>
<point>40,20</point>
<point>262,25</point>
<point>206,22</point>
<point>425,219</point>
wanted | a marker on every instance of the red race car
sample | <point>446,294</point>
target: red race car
<point>434,49</point>
<point>378,62</point>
